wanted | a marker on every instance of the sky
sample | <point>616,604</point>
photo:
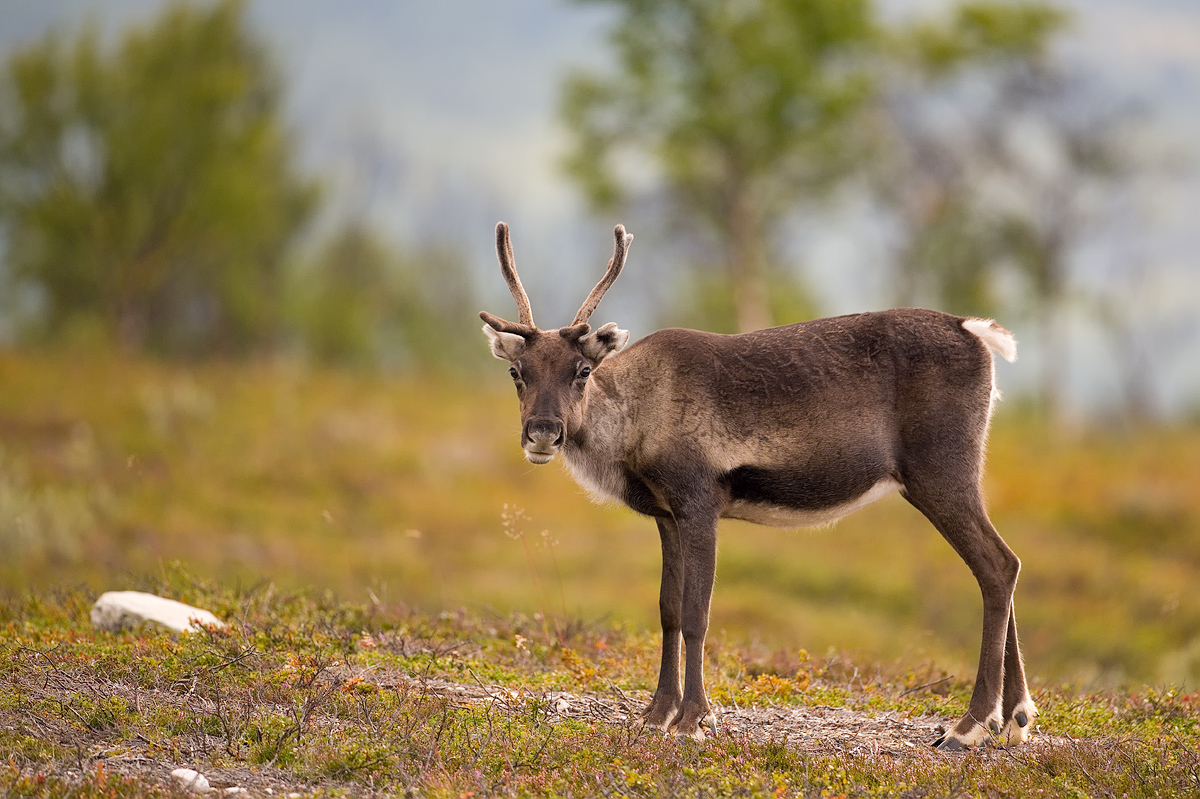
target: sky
<point>433,120</point>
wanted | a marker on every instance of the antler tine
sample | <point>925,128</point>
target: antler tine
<point>509,270</point>
<point>615,265</point>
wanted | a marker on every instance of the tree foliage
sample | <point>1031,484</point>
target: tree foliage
<point>995,158</point>
<point>746,112</point>
<point>983,33</point>
<point>738,108</point>
<point>148,192</point>
<point>946,102</point>
<point>362,302</point>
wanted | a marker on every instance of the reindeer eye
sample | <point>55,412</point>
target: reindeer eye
<point>512,370</point>
<point>584,372</point>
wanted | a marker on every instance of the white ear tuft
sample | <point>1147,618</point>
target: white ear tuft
<point>603,341</point>
<point>505,346</point>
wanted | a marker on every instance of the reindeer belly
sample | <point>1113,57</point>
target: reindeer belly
<point>773,515</point>
<point>783,497</point>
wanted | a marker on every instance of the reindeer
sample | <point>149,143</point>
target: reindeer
<point>790,426</point>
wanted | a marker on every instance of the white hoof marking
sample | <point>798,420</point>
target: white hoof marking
<point>1014,733</point>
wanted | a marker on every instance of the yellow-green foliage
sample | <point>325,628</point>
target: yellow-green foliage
<point>398,489</point>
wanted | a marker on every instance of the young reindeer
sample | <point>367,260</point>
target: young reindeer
<point>791,426</point>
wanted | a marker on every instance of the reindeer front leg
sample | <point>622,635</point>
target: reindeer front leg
<point>667,696</point>
<point>698,542</point>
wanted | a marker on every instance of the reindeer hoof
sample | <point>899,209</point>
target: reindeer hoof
<point>659,714</point>
<point>1020,726</point>
<point>696,733</point>
<point>968,734</point>
<point>683,727</point>
<point>948,744</point>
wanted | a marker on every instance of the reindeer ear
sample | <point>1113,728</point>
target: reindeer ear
<point>603,341</point>
<point>505,346</point>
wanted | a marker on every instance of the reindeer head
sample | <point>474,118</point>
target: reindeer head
<point>551,367</point>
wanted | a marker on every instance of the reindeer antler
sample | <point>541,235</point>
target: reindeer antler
<point>615,265</point>
<point>509,270</point>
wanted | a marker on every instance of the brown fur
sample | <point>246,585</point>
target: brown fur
<point>791,425</point>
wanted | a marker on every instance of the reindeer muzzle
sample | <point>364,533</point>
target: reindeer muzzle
<point>542,438</point>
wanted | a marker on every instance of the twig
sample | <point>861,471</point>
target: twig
<point>957,787</point>
<point>926,685</point>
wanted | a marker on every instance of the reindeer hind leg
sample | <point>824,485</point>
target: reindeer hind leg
<point>956,510</point>
<point>1019,709</point>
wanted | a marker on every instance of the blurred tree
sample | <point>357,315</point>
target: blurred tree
<point>739,109</point>
<point>149,193</point>
<point>361,302</point>
<point>997,156</point>
<point>984,33</point>
<point>940,105</point>
<point>704,303</point>
<point>1062,150</point>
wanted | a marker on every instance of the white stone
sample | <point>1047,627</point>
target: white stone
<point>234,791</point>
<point>191,780</point>
<point>118,610</point>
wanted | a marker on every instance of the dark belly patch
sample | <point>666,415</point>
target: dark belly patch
<point>803,489</point>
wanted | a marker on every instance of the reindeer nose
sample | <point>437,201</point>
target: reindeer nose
<point>542,434</point>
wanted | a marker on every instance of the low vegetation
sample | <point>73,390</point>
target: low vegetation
<point>417,610</point>
<point>398,489</point>
<point>303,694</point>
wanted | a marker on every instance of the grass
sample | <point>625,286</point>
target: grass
<point>399,487</point>
<point>305,694</point>
<point>321,505</point>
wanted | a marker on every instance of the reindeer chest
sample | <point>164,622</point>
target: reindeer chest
<point>607,482</point>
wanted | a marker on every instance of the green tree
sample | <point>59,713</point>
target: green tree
<point>941,106</point>
<point>738,109</point>
<point>148,192</point>
<point>362,302</point>
<point>1092,149</point>
<point>1012,180</point>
